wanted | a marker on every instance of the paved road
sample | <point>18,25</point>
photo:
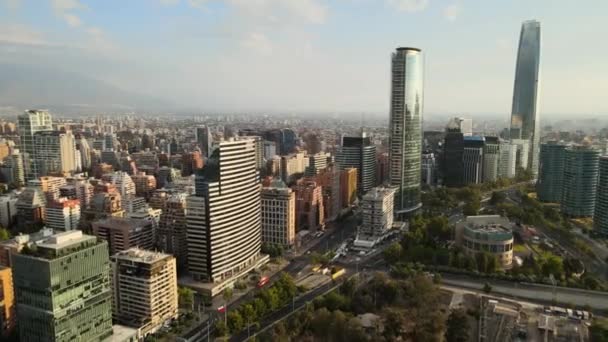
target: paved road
<point>533,292</point>
<point>329,241</point>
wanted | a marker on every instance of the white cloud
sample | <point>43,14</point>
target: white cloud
<point>409,5</point>
<point>309,11</point>
<point>169,2</point>
<point>197,3</point>
<point>21,35</point>
<point>72,20</point>
<point>451,12</point>
<point>258,42</point>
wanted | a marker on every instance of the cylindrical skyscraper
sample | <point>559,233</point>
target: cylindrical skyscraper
<point>405,128</point>
<point>551,172</point>
<point>580,181</point>
<point>524,114</point>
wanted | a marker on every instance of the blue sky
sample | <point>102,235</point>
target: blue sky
<point>315,55</point>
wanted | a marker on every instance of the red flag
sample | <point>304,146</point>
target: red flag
<point>221,309</point>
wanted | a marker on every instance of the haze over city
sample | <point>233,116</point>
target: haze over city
<point>296,55</point>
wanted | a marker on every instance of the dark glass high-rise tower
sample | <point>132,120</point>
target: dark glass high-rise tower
<point>405,128</point>
<point>524,114</point>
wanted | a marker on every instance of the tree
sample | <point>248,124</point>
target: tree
<point>248,313</point>
<point>4,234</point>
<point>598,330</point>
<point>471,208</point>
<point>497,197</point>
<point>392,254</point>
<point>457,326</point>
<point>235,321</point>
<point>220,328</point>
<point>185,297</point>
<point>227,294</point>
<point>487,288</point>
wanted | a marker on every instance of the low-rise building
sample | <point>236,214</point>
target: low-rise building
<point>487,233</point>
<point>124,233</point>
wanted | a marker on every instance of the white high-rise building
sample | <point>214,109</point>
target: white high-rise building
<point>63,214</point>
<point>29,123</point>
<point>145,289</point>
<point>223,217</point>
<point>278,214</point>
<point>8,210</point>
<point>506,160</point>
<point>54,153</point>
<point>377,207</point>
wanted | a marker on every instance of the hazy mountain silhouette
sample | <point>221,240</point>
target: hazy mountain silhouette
<point>39,87</point>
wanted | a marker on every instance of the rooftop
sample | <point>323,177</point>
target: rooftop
<point>378,193</point>
<point>64,239</point>
<point>141,255</point>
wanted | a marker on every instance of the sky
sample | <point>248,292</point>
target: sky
<point>315,55</point>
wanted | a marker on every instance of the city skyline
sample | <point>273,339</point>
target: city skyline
<point>190,53</point>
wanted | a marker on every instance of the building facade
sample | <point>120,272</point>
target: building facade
<point>145,289</point>
<point>278,214</point>
<point>54,280</point>
<point>29,123</point>
<point>487,233</point>
<point>124,233</point>
<point>405,128</point>
<point>360,153</point>
<point>491,156</point>
<point>579,189</point>
<point>472,159</point>
<point>600,216</point>
<point>549,186</point>
<point>309,205</point>
<point>223,216</point>
<point>54,153</point>
<point>525,111</point>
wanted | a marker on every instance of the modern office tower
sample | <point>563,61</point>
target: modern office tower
<point>50,186</point>
<point>124,233</point>
<point>204,138</point>
<point>600,216</point>
<point>111,157</point>
<point>523,153</point>
<point>348,187</point>
<point>145,289</point>
<point>171,235</point>
<point>270,149</point>
<point>453,151</point>
<point>148,214</point>
<point>54,153</point>
<point>29,123</point>
<point>329,180</point>
<point>360,153</point>
<point>405,128</point>
<point>507,159</point>
<point>491,159</point>
<point>8,210</point>
<point>284,139</point>
<point>316,163</point>
<point>7,302</point>
<point>62,289</point>
<point>223,217</point>
<point>278,214</point>
<point>63,214</point>
<point>581,168</point>
<point>82,146</point>
<point>145,185</point>
<point>31,208</point>
<point>123,182</point>
<point>429,169</point>
<point>292,167</point>
<point>309,205</point>
<point>16,163</point>
<point>259,151</point>
<point>377,215</point>
<point>382,167</point>
<point>524,115</point>
<point>551,172</point>
<point>191,162</point>
<point>473,159</point>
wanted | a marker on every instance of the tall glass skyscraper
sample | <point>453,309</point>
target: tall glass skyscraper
<point>524,115</point>
<point>405,126</point>
<point>579,182</point>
